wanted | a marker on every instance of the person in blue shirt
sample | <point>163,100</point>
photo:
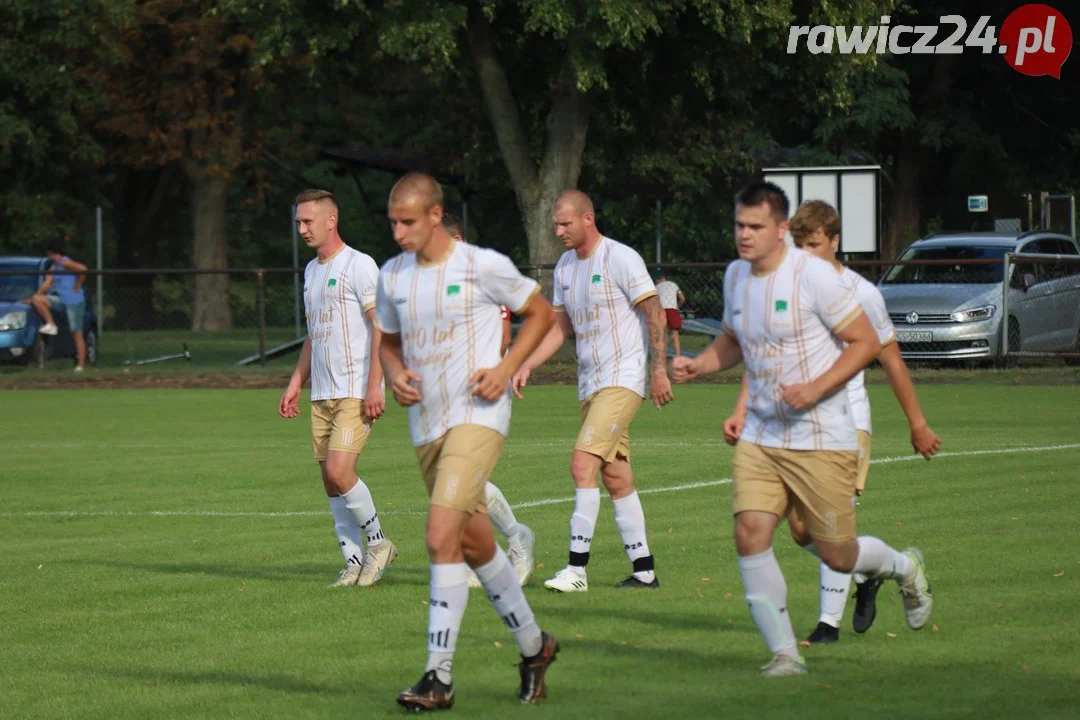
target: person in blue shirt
<point>63,293</point>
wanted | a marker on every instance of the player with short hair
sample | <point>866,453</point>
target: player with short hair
<point>340,356</point>
<point>438,308</point>
<point>520,539</point>
<point>815,227</point>
<point>604,296</point>
<point>803,335</point>
<point>671,299</point>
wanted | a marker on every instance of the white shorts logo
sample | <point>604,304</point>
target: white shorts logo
<point>587,436</point>
<point>347,436</point>
<point>451,487</point>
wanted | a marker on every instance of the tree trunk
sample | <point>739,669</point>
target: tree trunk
<point>902,225</point>
<point>211,303</point>
<point>140,203</point>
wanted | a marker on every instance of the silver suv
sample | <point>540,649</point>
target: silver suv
<point>945,311</point>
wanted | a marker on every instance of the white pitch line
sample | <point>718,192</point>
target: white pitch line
<point>518,506</point>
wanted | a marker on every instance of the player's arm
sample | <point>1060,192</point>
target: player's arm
<point>554,339</point>
<point>722,353</point>
<point>923,439</point>
<point>403,382</point>
<point>374,401</point>
<point>656,319</point>
<point>507,334</point>
<point>535,330</point>
<point>680,299</point>
<point>289,405</point>
<point>862,347</point>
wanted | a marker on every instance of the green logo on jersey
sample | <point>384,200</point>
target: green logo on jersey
<point>332,283</point>
<point>453,289</point>
<point>781,305</point>
<point>595,279</point>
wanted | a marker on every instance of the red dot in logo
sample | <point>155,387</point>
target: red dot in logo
<point>1036,40</point>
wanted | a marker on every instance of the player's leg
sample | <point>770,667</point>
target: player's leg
<point>43,306</point>
<point>350,537</point>
<point>618,477</point>
<point>834,586</point>
<point>520,539</point>
<point>824,483</point>
<point>676,342</point>
<point>866,589</point>
<point>759,501</point>
<point>349,432</point>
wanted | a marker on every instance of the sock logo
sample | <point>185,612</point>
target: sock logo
<point>439,604</point>
<point>440,639</point>
<point>581,538</point>
<point>634,546</point>
<point>831,589</point>
<point>511,621</point>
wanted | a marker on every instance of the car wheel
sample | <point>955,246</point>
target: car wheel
<point>39,352</point>
<point>91,346</point>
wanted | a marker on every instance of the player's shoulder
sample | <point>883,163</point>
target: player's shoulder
<point>397,264</point>
<point>865,291</point>
<point>620,251</point>
<point>736,270</point>
<point>486,258</point>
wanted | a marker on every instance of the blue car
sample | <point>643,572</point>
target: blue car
<point>20,340</point>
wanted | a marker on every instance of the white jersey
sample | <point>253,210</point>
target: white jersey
<point>669,295</point>
<point>785,323</point>
<point>338,292</point>
<point>450,321</point>
<point>873,304</point>
<point>599,293</point>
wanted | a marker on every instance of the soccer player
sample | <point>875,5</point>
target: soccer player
<point>520,539</point>
<point>438,308</point>
<point>340,355</point>
<point>604,295</point>
<point>802,334</point>
<point>815,227</point>
<point>671,299</point>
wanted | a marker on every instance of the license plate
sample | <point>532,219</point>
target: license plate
<point>912,336</point>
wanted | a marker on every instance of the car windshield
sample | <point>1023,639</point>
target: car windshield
<point>17,287</point>
<point>946,274</point>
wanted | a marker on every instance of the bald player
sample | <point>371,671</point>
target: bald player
<point>438,309</point>
<point>604,295</point>
<point>520,539</point>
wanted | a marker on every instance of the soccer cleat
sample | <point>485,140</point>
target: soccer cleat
<point>567,581</point>
<point>915,589</point>
<point>521,553</point>
<point>375,561</point>
<point>48,329</point>
<point>823,634</point>
<point>348,577</point>
<point>428,694</point>
<point>783,665</point>
<point>865,604</point>
<point>633,583</point>
<point>534,669</point>
<point>474,581</point>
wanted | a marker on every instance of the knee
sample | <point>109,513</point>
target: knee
<point>438,541</point>
<point>339,479</point>
<point>618,480</point>
<point>583,470</point>
<point>839,556</point>
<point>751,537</point>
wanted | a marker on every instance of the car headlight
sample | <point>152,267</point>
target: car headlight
<point>973,314</point>
<point>13,321</point>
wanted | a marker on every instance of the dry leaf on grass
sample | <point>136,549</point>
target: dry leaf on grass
<point>804,643</point>
<point>498,644</point>
<point>935,629</point>
<point>1060,574</point>
<point>892,635</point>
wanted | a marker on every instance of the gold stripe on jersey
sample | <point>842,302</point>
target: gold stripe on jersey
<point>848,319</point>
<point>470,329</point>
<point>609,297</point>
<point>326,356</point>
<point>440,283</point>
<point>644,296</point>
<point>412,298</point>
<point>528,301</point>
<point>800,352</point>
<point>345,323</point>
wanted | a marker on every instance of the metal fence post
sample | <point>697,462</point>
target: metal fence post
<point>100,279</point>
<point>260,305</point>
<point>1005,307</point>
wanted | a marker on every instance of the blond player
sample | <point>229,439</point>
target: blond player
<point>604,295</point>
<point>520,539</point>
<point>815,227</point>
<point>438,308</point>
<point>340,355</point>
<point>802,334</point>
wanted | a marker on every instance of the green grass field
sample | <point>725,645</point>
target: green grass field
<point>166,552</point>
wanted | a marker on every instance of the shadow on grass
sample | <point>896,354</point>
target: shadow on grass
<point>269,681</point>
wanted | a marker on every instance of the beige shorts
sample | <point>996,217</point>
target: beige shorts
<point>864,462</point>
<point>605,423</point>
<point>338,425</point>
<point>457,466</point>
<point>818,484</point>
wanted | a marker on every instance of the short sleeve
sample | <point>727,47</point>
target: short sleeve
<point>833,298</point>
<point>630,274</point>
<point>873,304</point>
<point>505,311</point>
<point>385,311</point>
<point>366,281</point>
<point>558,300</point>
<point>730,276</point>
<point>503,283</point>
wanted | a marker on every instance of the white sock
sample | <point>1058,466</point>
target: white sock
<point>504,591</point>
<point>350,539</point>
<point>500,512</point>
<point>630,520</point>
<point>766,592</point>
<point>362,507</point>
<point>834,594</point>
<point>449,597</point>
<point>582,526</point>
<point>878,560</point>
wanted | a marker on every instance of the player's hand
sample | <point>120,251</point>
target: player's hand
<point>660,388</point>
<point>374,404</point>
<point>404,391</point>
<point>925,441</point>
<point>489,384</point>
<point>733,428</point>
<point>684,369</point>
<point>802,396</point>
<point>289,405</point>
<point>520,380</point>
